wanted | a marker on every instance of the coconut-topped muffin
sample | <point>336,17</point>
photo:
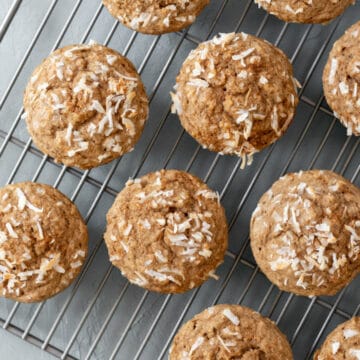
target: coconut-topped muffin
<point>342,343</point>
<point>85,105</point>
<point>229,332</point>
<point>305,233</point>
<point>341,79</point>
<point>43,242</point>
<point>167,231</point>
<point>305,11</point>
<point>154,16</point>
<point>236,94</point>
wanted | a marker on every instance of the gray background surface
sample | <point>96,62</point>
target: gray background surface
<point>105,308</point>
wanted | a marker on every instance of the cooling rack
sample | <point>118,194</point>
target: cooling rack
<point>102,316</point>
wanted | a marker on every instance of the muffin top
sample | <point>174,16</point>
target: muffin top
<point>230,332</point>
<point>43,241</point>
<point>341,79</point>
<point>235,94</point>
<point>85,105</point>
<point>342,343</point>
<point>305,232</point>
<point>305,11</point>
<point>167,231</point>
<point>154,16</point>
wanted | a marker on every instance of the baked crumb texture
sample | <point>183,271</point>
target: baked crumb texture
<point>305,11</point>
<point>236,94</point>
<point>155,16</point>
<point>229,332</point>
<point>305,233</point>
<point>43,242</point>
<point>341,80</point>
<point>167,231</point>
<point>342,343</point>
<point>85,105</point>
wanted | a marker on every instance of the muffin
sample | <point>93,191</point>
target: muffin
<point>305,11</point>
<point>85,105</point>
<point>154,16</point>
<point>236,94</point>
<point>230,332</point>
<point>305,233</point>
<point>167,231</point>
<point>341,79</point>
<point>342,343</point>
<point>43,242</point>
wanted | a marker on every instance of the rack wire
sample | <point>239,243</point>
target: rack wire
<point>102,316</point>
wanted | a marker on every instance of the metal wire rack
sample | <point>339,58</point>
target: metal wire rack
<point>102,316</point>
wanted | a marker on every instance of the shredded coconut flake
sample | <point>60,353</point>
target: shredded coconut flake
<point>213,275</point>
<point>75,264</point>
<point>288,8</point>
<point>263,80</point>
<point>59,269</point>
<point>205,253</point>
<point>198,83</point>
<point>40,230</point>
<point>110,59</point>
<point>243,55</point>
<point>335,346</point>
<point>11,231</point>
<point>344,88</point>
<point>207,194</point>
<point>355,353</point>
<point>161,222</point>
<point>127,230</point>
<point>124,246</point>
<point>231,316</point>
<point>21,199</point>
<point>349,333</point>
<point>22,202</point>
<point>68,134</point>
<point>80,253</point>
<point>322,227</point>
<point>161,277</point>
<point>3,237</point>
<point>145,223</point>
<point>159,256</point>
<point>198,342</point>
<point>332,72</point>
<point>95,105</point>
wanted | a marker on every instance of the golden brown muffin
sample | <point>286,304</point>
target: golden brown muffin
<point>167,231</point>
<point>343,343</point>
<point>341,79</point>
<point>305,233</point>
<point>85,105</point>
<point>155,16</point>
<point>43,242</point>
<point>236,94</point>
<point>228,332</point>
<point>305,11</point>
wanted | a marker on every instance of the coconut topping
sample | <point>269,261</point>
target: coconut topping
<point>310,250</point>
<point>227,96</point>
<point>341,80</point>
<point>34,242</point>
<point>305,11</point>
<point>96,111</point>
<point>342,343</point>
<point>231,316</point>
<point>229,332</point>
<point>179,227</point>
<point>155,18</point>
